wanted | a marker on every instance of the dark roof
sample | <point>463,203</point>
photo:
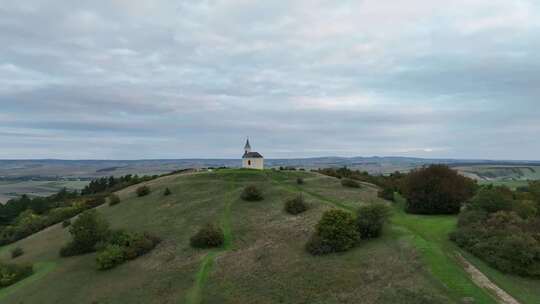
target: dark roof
<point>252,155</point>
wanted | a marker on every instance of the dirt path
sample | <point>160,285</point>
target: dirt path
<point>481,280</point>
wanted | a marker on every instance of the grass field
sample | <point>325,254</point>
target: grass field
<point>263,260</point>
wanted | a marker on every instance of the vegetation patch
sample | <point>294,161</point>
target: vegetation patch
<point>346,182</point>
<point>88,230</point>
<point>437,189</point>
<point>502,231</point>
<point>114,199</point>
<point>207,237</point>
<point>167,192</point>
<point>12,273</point>
<point>296,205</point>
<point>371,218</point>
<point>143,191</point>
<point>16,252</point>
<point>335,232</point>
<point>121,246</point>
<point>252,194</point>
<point>299,181</point>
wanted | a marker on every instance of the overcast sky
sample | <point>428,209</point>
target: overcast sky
<point>181,79</point>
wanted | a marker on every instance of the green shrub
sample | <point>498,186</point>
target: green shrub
<point>335,232</point>
<point>66,223</point>
<point>167,192</point>
<point>143,191</point>
<point>251,193</point>
<point>300,181</point>
<point>12,273</point>
<point>437,189</point>
<point>346,182</point>
<point>371,218</point>
<point>95,201</point>
<point>114,199</point>
<point>207,237</point>
<point>16,252</point>
<point>317,246</point>
<point>87,230</point>
<point>386,194</point>
<point>492,199</point>
<point>296,205</point>
<point>110,257</point>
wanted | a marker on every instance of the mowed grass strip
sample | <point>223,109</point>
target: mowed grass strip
<point>430,235</point>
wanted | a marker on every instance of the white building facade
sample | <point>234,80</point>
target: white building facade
<point>252,160</point>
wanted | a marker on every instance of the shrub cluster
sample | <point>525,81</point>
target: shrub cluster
<point>251,193</point>
<point>437,189</point>
<point>207,237</point>
<point>12,273</point>
<point>167,192</point>
<point>143,191</point>
<point>299,181</point>
<point>296,205</point>
<point>114,199</point>
<point>503,232</point>
<point>335,232</point>
<point>346,182</point>
<point>16,252</point>
<point>66,223</point>
<point>371,219</point>
<point>86,231</point>
<point>122,246</point>
<point>338,230</point>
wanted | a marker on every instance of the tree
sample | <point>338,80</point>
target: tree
<point>437,189</point>
<point>88,230</point>
<point>167,192</point>
<point>492,199</point>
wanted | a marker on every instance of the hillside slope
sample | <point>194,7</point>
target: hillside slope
<point>263,261</point>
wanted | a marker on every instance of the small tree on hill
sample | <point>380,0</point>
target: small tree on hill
<point>296,205</point>
<point>167,192</point>
<point>143,191</point>
<point>207,237</point>
<point>346,182</point>
<point>437,189</point>
<point>114,199</point>
<point>89,229</point>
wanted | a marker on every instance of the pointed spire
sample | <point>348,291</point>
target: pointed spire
<point>247,147</point>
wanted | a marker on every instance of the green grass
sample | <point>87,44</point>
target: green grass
<point>430,235</point>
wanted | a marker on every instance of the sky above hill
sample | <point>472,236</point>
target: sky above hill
<point>129,79</point>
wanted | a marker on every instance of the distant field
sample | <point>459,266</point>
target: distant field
<point>11,189</point>
<point>511,176</point>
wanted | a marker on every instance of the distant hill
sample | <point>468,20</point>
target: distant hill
<point>10,169</point>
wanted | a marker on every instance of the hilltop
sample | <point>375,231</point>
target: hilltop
<point>263,259</point>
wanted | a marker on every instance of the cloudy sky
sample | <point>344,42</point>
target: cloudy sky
<point>176,79</point>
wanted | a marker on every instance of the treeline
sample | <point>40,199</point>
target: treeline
<point>24,216</point>
<point>502,227</point>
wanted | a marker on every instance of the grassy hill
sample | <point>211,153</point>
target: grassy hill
<point>263,260</point>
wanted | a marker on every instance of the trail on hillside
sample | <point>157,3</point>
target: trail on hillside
<point>194,296</point>
<point>483,281</point>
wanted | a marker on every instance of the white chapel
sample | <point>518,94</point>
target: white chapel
<point>252,160</point>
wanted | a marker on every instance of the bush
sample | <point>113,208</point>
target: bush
<point>12,273</point>
<point>295,205</point>
<point>110,257</point>
<point>300,181</point>
<point>167,192</point>
<point>95,201</point>
<point>66,223</point>
<point>114,200</point>
<point>251,193</point>
<point>386,194</point>
<point>492,199</point>
<point>16,252</point>
<point>347,182</point>
<point>87,230</point>
<point>335,232</point>
<point>143,191</point>
<point>207,237</point>
<point>437,189</point>
<point>371,218</point>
